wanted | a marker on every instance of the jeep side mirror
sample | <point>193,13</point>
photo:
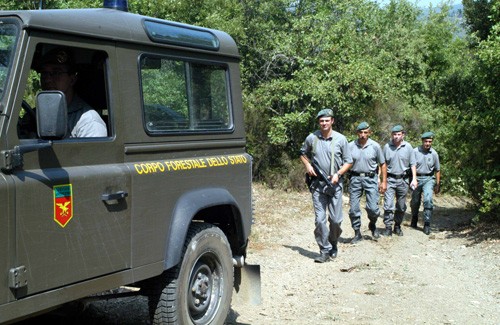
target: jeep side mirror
<point>51,115</point>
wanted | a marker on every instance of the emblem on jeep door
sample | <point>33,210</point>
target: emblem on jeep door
<point>63,204</point>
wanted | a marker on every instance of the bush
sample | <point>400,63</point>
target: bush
<point>289,176</point>
<point>490,201</point>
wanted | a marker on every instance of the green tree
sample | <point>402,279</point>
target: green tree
<point>49,4</point>
<point>473,116</point>
<point>364,61</point>
<point>478,17</point>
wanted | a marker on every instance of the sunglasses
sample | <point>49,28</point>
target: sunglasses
<point>52,74</point>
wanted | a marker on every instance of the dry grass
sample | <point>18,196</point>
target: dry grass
<point>273,210</point>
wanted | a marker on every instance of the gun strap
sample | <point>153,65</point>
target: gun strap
<point>332,160</point>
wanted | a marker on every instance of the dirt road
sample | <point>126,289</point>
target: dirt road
<point>449,277</point>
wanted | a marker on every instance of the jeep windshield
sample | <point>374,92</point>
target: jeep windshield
<point>9,33</point>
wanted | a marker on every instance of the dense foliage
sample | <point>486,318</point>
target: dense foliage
<point>387,64</point>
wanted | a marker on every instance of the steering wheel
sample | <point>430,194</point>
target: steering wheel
<point>26,126</point>
<point>28,109</point>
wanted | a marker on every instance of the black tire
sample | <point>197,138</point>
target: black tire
<point>199,289</point>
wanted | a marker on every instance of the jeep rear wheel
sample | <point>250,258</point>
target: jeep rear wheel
<point>199,289</point>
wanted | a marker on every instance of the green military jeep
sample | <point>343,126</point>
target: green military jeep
<point>160,199</point>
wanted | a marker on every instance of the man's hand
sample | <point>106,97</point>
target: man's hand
<point>335,178</point>
<point>437,188</point>
<point>310,170</point>
<point>414,184</point>
<point>382,187</point>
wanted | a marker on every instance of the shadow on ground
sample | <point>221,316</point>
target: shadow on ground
<point>458,223</point>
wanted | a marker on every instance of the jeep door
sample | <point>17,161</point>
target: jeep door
<point>72,204</point>
<point>72,222</point>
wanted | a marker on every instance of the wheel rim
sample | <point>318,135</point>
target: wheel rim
<point>205,289</point>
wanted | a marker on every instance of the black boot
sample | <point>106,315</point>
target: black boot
<point>373,228</point>
<point>397,230</point>
<point>357,236</point>
<point>427,228</point>
<point>414,220</point>
<point>387,232</point>
<point>334,251</point>
<point>322,258</point>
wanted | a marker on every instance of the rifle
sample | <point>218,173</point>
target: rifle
<point>330,189</point>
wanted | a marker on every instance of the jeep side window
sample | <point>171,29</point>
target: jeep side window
<point>183,96</point>
<point>9,33</point>
<point>80,75</point>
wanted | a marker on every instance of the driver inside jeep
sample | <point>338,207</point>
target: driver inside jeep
<point>58,72</point>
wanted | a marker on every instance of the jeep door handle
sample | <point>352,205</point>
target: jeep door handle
<point>114,196</point>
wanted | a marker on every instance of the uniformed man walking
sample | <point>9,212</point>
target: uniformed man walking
<point>429,179</point>
<point>329,151</point>
<point>400,160</point>
<point>368,160</point>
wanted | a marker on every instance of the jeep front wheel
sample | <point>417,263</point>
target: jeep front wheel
<point>199,289</point>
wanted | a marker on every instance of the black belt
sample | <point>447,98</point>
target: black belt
<point>395,176</point>
<point>429,174</point>
<point>370,174</point>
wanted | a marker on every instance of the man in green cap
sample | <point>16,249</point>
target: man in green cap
<point>400,160</point>
<point>329,151</point>
<point>429,179</point>
<point>368,160</point>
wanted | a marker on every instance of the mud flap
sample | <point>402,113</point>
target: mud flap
<point>247,285</point>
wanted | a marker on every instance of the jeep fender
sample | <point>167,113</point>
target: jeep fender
<point>185,209</point>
